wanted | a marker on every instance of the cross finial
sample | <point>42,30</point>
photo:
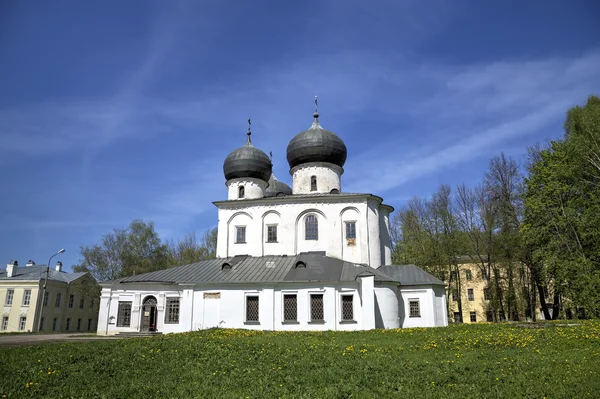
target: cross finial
<point>248,141</point>
<point>271,155</point>
<point>316,114</point>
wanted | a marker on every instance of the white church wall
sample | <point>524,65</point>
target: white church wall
<point>374,234</point>
<point>424,295</point>
<point>386,240</point>
<point>386,305</point>
<point>253,188</point>
<point>441,314</point>
<point>327,176</point>
<point>290,220</point>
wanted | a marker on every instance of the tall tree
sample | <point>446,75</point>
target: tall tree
<point>189,250</point>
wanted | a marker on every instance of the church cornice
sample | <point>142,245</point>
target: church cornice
<point>299,199</point>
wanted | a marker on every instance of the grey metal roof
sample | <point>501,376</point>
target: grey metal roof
<point>247,161</point>
<point>410,275</point>
<point>316,145</point>
<point>38,272</point>
<point>277,187</point>
<point>264,269</point>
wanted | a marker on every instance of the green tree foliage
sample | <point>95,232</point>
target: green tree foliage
<point>562,211</point>
<point>139,249</point>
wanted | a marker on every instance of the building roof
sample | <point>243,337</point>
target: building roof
<point>314,267</point>
<point>410,275</point>
<point>38,272</point>
<point>247,161</point>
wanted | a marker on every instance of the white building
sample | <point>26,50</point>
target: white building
<point>303,258</point>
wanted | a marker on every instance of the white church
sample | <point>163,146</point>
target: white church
<point>309,257</point>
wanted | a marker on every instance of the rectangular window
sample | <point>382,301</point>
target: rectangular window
<point>311,228</point>
<point>26,297</point>
<point>347,307</point>
<point>78,324</point>
<point>486,294</point>
<point>414,308</point>
<point>455,295</point>
<point>4,323</point>
<point>124,314</point>
<point>81,303</point>
<point>469,275</point>
<point>290,307</point>
<point>240,235</point>
<point>9,297</point>
<point>89,325</point>
<point>22,323</point>
<point>317,312</point>
<point>54,324</point>
<point>172,311</point>
<point>58,298</point>
<point>71,300</point>
<point>272,233</point>
<point>91,303</point>
<point>351,230</point>
<point>453,275</point>
<point>46,298</point>
<point>457,317</point>
<point>470,294</point>
<point>68,324</point>
<point>42,324</point>
<point>252,308</point>
<point>473,316</point>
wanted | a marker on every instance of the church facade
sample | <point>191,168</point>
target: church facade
<point>306,257</point>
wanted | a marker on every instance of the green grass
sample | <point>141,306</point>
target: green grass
<point>465,361</point>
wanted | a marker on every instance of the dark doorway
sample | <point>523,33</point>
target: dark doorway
<point>149,314</point>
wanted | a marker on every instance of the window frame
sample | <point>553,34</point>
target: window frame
<point>246,297</point>
<point>26,297</point>
<point>237,235</point>
<point>82,303</point>
<point>54,323</point>
<point>79,324</point>
<point>22,323</point>
<point>58,300</point>
<point>347,224</point>
<point>89,326</point>
<point>241,191</point>
<point>313,183</point>
<point>410,309</point>
<point>285,320</point>
<point>10,297</point>
<point>68,324</point>
<point>455,295</point>
<point>470,294</point>
<point>343,318</point>
<point>473,317</point>
<point>42,323</point>
<point>46,298</point>
<point>4,325</point>
<point>310,307</point>
<point>272,238</point>
<point>468,275</point>
<point>171,310</point>
<point>314,227</point>
<point>71,301</point>
<point>487,294</point>
<point>122,317</point>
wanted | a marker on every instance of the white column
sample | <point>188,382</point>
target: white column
<point>367,294</point>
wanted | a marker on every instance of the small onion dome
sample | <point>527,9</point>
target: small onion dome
<point>247,161</point>
<point>316,145</point>
<point>277,187</point>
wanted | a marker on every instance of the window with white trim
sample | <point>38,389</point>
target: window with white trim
<point>348,307</point>
<point>351,230</point>
<point>55,324</point>
<point>317,309</point>
<point>272,233</point>
<point>470,294</point>
<point>290,307</point>
<point>71,300</point>
<point>172,311</point>
<point>58,298</point>
<point>252,308</point>
<point>240,234</point>
<point>26,297</point>
<point>22,323</point>
<point>124,314</point>
<point>414,308</point>
<point>313,183</point>
<point>78,324</point>
<point>46,298</point>
<point>9,297</point>
<point>473,317</point>
<point>68,324</point>
<point>311,228</point>
<point>4,323</point>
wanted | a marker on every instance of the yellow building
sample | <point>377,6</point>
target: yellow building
<point>475,296</point>
<point>70,303</point>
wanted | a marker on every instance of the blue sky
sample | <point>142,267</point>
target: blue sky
<point>113,110</point>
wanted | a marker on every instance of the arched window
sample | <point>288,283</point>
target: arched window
<point>311,228</point>
<point>241,192</point>
<point>313,183</point>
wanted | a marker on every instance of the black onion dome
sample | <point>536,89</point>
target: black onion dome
<point>276,187</point>
<point>316,145</point>
<point>247,161</point>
